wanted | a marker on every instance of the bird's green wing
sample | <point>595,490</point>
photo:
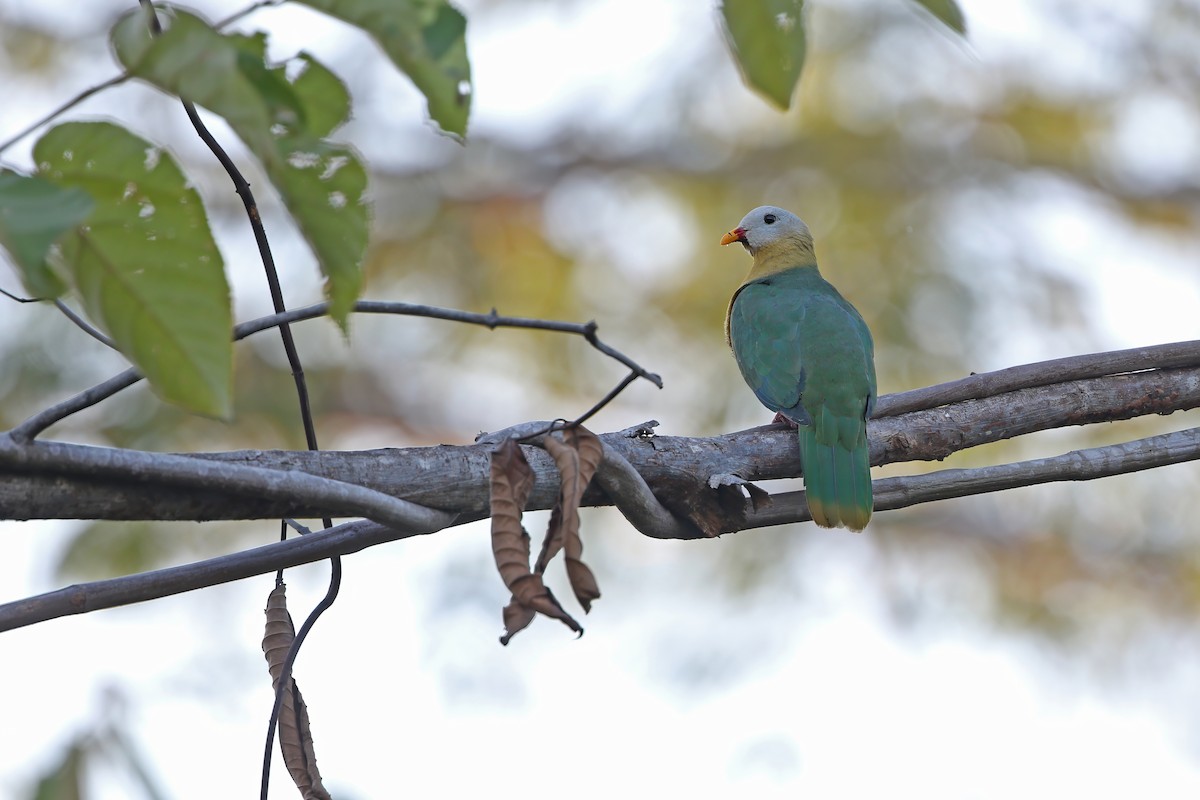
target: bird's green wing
<point>807,354</point>
<point>765,331</point>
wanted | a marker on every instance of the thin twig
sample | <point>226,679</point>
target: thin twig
<point>285,674</point>
<point>18,297</point>
<point>608,398</point>
<point>1078,465</point>
<point>83,325</point>
<point>67,106</point>
<point>117,80</point>
<point>69,313</point>
<point>492,320</point>
<point>28,430</point>
<point>1043,373</point>
<point>242,187</point>
<point>33,427</point>
<point>303,530</point>
<point>250,9</point>
<point>110,593</point>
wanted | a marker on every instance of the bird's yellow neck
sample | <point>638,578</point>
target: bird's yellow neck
<point>780,255</point>
<point>773,259</point>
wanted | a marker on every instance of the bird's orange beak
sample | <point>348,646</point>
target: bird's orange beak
<point>735,235</point>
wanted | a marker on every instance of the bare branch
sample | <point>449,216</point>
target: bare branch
<point>67,106</point>
<point>250,9</point>
<point>83,325</point>
<point>27,430</point>
<point>69,313</point>
<point>339,540</point>
<point>165,470</point>
<point>455,478</point>
<point>890,493</point>
<point>1043,373</point>
<point>32,427</point>
<point>117,80</point>
<point>1077,465</point>
<point>661,483</point>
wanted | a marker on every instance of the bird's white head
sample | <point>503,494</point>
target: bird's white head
<point>766,226</point>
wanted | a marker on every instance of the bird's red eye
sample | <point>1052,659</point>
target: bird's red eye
<point>769,219</point>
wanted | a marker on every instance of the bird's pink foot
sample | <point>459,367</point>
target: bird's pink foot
<point>780,419</point>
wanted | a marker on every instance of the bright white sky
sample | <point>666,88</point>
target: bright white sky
<point>841,707</point>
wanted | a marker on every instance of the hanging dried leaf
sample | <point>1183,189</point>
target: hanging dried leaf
<point>511,482</point>
<point>516,618</point>
<point>563,515</point>
<point>295,737</point>
<point>578,457</point>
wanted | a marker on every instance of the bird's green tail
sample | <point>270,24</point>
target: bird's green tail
<point>837,477</point>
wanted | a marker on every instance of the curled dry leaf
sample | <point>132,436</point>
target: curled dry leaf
<point>511,482</point>
<point>563,515</point>
<point>578,457</point>
<point>295,737</point>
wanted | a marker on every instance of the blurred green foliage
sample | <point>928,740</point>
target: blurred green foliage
<point>926,177</point>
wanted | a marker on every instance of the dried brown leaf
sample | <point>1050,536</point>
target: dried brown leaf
<point>591,451</point>
<point>512,480</point>
<point>516,619</point>
<point>295,736</point>
<point>563,515</point>
<point>583,583</point>
<point>578,457</point>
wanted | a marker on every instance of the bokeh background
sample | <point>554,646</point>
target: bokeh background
<point>1028,193</point>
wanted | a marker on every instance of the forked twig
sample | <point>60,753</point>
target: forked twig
<point>34,425</point>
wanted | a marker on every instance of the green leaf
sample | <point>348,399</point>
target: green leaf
<point>427,40</point>
<point>64,780</point>
<point>34,214</point>
<point>947,12</point>
<point>323,187</point>
<point>282,119</point>
<point>192,61</point>
<point>145,264</point>
<point>322,95</point>
<point>768,41</point>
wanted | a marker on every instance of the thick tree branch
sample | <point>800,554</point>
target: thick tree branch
<point>351,537</point>
<point>455,479</point>
<point>162,470</point>
<point>661,483</point>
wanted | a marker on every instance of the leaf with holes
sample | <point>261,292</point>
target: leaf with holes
<point>768,41</point>
<point>283,116</point>
<point>427,40</point>
<point>145,264</point>
<point>34,214</point>
<point>295,736</point>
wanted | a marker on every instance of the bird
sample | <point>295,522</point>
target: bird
<point>808,355</point>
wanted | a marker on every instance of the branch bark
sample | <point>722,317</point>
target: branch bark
<point>62,481</point>
<point>661,483</point>
<point>351,537</point>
